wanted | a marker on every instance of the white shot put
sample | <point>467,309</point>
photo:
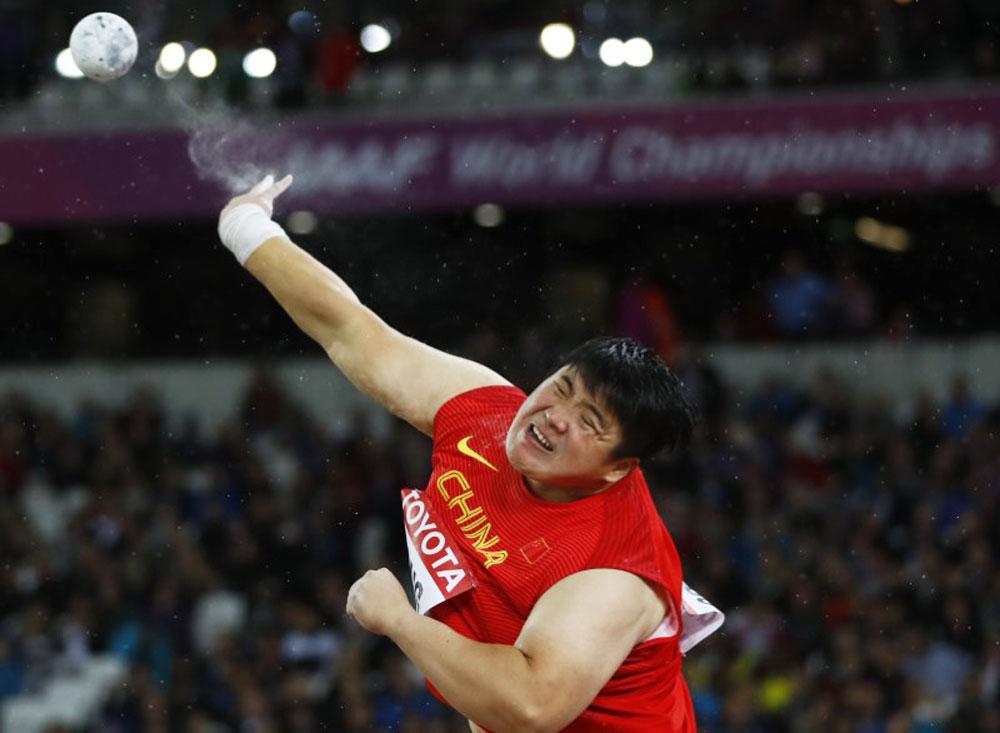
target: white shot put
<point>104,46</point>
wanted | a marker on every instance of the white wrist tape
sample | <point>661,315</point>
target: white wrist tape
<point>244,228</point>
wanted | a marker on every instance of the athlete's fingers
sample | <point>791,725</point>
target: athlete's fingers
<point>280,187</point>
<point>264,184</point>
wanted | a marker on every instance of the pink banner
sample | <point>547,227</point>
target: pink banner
<point>742,149</point>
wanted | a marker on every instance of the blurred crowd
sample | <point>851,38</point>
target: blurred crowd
<point>799,301</point>
<point>725,45</point>
<point>856,554</point>
<point>853,551</point>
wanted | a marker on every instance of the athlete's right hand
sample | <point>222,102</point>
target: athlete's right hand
<point>378,602</point>
<point>263,195</point>
<point>245,222</point>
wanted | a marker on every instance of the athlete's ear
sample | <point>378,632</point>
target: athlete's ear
<point>620,469</point>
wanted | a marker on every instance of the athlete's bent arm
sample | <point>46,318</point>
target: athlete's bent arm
<point>408,377</point>
<point>576,636</point>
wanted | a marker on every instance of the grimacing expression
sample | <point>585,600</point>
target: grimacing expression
<point>563,436</point>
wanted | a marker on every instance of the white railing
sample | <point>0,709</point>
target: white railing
<point>73,700</point>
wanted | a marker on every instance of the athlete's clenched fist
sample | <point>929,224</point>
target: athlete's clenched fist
<point>378,602</point>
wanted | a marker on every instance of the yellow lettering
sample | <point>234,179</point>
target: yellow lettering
<point>475,522</point>
<point>467,511</point>
<point>479,537</point>
<point>449,476</point>
<point>494,558</point>
<point>471,520</point>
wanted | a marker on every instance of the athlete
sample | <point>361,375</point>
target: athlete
<point>549,593</point>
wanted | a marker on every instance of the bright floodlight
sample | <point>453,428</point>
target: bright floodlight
<point>882,235</point>
<point>161,72</point>
<point>638,52</point>
<point>66,66</point>
<point>557,40</point>
<point>375,38</point>
<point>172,57</point>
<point>612,52</point>
<point>201,63</point>
<point>488,215</point>
<point>260,63</point>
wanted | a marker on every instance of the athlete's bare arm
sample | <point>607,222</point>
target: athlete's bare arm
<point>577,635</point>
<point>408,377</point>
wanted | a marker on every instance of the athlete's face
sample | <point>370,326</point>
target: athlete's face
<point>563,437</point>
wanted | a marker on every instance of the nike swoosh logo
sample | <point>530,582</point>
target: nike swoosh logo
<point>464,449</point>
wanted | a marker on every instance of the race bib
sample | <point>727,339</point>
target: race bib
<point>437,570</point>
<point>701,619</point>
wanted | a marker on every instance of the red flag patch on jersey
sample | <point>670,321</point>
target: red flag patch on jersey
<point>534,550</point>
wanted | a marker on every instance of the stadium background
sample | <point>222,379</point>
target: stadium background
<point>189,490</point>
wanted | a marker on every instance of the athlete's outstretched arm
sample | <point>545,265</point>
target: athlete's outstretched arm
<point>576,636</point>
<point>409,378</point>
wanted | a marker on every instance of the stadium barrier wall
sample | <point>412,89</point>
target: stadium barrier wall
<point>210,391</point>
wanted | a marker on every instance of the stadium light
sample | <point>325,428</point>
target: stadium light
<point>638,52</point>
<point>201,63</point>
<point>6,233</point>
<point>558,40</point>
<point>375,38</point>
<point>489,215</point>
<point>66,67</point>
<point>881,235</point>
<point>612,52</point>
<point>172,57</point>
<point>302,222</point>
<point>260,63</point>
<point>161,72</point>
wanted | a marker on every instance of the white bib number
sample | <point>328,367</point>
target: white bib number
<point>437,569</point>
<point>701,619</point>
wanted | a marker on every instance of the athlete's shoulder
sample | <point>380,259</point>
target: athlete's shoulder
<point>629,503</point>
<point>478,406</point>
<point>634,537</point>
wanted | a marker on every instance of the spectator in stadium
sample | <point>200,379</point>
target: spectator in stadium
<point>853,301</point>
<point>800,299</point>
<point>962,410</point>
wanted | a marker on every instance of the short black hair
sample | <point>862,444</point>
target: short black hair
<point>646,396</point>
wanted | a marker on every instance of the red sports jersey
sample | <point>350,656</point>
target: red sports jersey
<point>512,546</point>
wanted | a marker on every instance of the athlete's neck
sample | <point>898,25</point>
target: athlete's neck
<point>562,494</point>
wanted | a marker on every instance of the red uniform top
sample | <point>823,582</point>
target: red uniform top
<point>516,546</point>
